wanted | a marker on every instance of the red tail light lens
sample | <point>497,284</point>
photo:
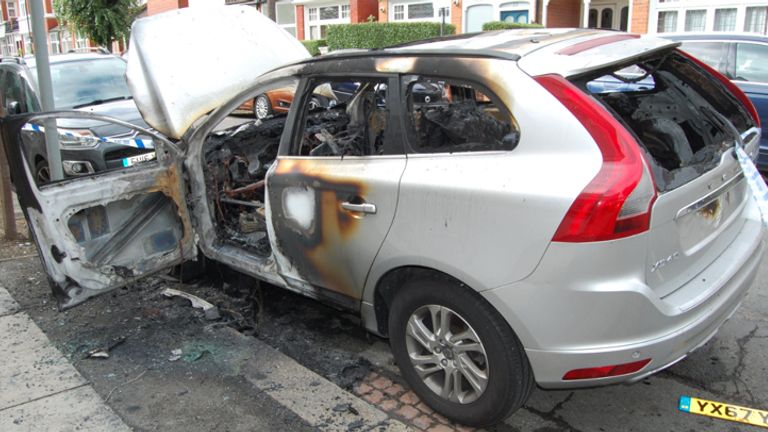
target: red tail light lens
<point>617,202</point>
<point>733,88</point>
<point>605,371</point>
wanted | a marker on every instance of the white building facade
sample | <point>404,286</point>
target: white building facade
<point>742,16</point>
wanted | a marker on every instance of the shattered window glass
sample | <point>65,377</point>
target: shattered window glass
<point>456,117</point>
<point>346,118</point>
<point>238,155</point>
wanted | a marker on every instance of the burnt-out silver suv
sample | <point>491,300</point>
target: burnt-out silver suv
<point>520,229</point>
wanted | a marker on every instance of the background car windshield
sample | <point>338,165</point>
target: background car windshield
<point>82,83</point>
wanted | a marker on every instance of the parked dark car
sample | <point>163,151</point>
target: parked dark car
<point>743,58</point>
<point>89,82</point>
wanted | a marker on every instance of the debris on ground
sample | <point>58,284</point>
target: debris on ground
<point>211,312</point>
<point>175,355</point>
<point>103,352</point>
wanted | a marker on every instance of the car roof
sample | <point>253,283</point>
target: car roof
<point>541,50</point>
<point>69,57</point>
<point>725,37</point>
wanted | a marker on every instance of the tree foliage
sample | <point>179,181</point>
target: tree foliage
<point>102,21</point>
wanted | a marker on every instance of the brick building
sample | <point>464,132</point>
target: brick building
<point>309,19</point>
<point>16,31</point>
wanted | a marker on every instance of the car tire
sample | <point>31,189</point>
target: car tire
<point>262,107</point>
<point>501,358</point>
<point>42,172</point>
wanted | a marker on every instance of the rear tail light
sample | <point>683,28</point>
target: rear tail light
<point>605,371</point>
<point>733,88</point>
<point>617,202</point>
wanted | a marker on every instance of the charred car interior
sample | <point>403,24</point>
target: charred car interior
<point>675,111</point>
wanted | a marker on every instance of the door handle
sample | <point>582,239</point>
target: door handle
<point>361,208</point>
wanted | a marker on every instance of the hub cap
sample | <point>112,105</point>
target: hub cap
<point>447,354</point>
<point>262,107</point>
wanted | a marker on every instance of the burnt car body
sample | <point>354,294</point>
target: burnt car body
<point>87,82</point>
<point>577,238</point>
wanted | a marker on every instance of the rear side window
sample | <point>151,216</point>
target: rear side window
<point>712,53</point>
<point>445,116</point>
<point>683,117</point>
<point>751,62</point>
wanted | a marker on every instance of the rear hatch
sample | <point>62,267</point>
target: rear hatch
<point>687,122</point>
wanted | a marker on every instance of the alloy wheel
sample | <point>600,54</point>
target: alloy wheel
<point>447,354</point>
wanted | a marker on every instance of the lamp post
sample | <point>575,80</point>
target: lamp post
<point>442,13</point>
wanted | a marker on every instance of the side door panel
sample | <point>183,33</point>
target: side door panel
<point>329,215</point>
<point>100,232</point>
<point>319,240</point>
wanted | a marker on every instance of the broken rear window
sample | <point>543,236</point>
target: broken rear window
<point>449,116</point>
<point>681,115</point>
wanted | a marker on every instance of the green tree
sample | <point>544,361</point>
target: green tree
<point>102,21</point>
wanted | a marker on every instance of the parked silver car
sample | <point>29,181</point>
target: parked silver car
<point>519,230</point>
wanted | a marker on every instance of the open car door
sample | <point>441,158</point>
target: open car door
<point>118,215</point>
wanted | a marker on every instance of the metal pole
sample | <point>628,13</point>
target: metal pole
<point>9,216</point>
<point>442,20</point>
<point>46,88</point>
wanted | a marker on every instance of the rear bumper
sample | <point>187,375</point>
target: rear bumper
<point>609,322</point>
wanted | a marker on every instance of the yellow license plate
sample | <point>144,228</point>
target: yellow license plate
<point>724,411</point>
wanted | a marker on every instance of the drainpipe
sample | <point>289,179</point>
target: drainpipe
<point>585,14</point>
<point>544,7</point>
<point>46,88</point>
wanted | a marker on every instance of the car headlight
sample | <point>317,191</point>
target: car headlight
<point>77,138</point>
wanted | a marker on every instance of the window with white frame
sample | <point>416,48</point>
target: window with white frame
<point>695,20</point>
<point>22,11</point>
<point>320,17</point>
<point>55,47</point>
<point>755,19</point>
<point>725,20</point>
<point>66,41</point>
<point>421,10</point>
<point>667,21</point>
<point>417,11</point>
<point>80,41</point>
<point>11,8</point>
<point>399,12</point>
<point>286,16</point>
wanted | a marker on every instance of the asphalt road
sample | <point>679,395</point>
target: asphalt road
<point>207,389</point>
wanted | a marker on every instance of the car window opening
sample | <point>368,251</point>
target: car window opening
<point>343,118</point>
<point>346,119</point>
<point>237,160</point>
<point>678,113</point>
<point>456,117</point>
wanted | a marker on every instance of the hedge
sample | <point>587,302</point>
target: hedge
<point>313,46</point>
<point>380,35</point>
<point>503,25</point>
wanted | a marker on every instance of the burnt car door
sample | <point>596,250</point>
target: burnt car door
<point>98,232</point>
<point>333,193</point>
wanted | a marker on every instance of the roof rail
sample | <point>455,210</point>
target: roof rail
<point>100,50</point>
